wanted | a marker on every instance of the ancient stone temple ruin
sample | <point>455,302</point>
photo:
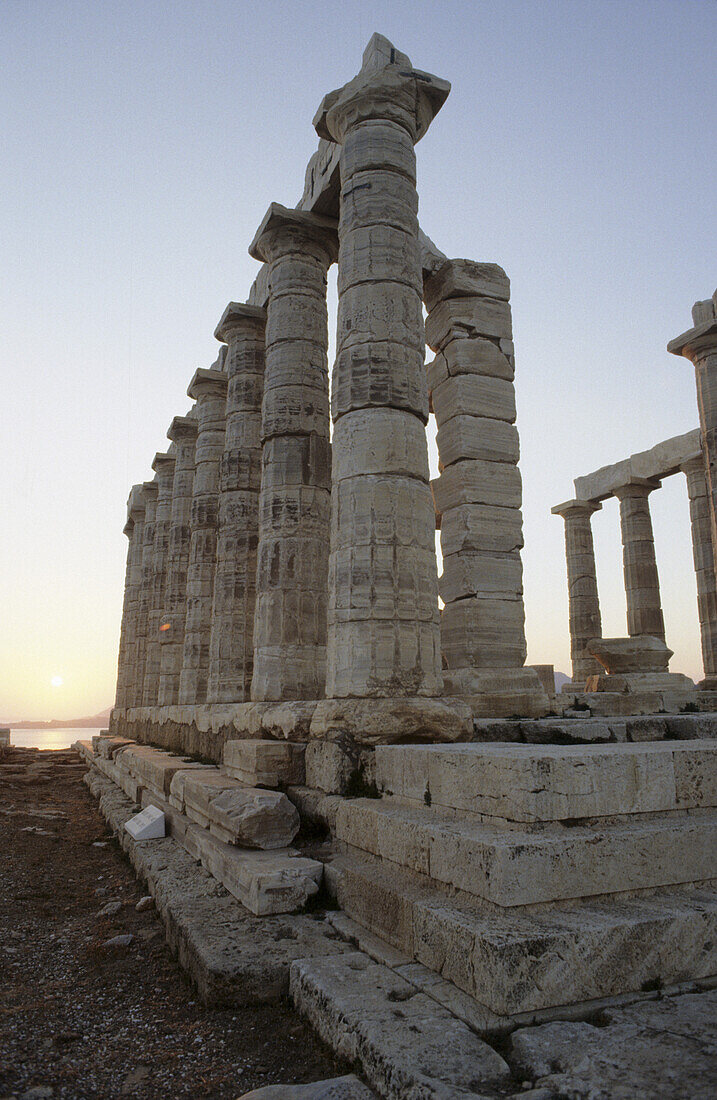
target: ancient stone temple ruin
<point>315,724</point>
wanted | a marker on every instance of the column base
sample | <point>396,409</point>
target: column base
<point>384,721</point>
<point>498,692</point>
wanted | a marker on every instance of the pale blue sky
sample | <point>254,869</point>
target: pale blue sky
<point>143,143</point>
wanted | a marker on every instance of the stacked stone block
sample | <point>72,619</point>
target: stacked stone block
<point>642,584</point>
<point>231,647</point>
<point>292,566</point>
<point>163,466</point>
<point>583,600</point>
<point>478,493</point>
<point>383,635</point>
<point>208,388</point>
<point>145,589</point>
<point>183,434</point>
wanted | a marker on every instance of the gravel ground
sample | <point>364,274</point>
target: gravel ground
<point>82,1019</point>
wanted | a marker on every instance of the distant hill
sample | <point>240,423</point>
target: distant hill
<point>560,679</point>
<point>94,721</point>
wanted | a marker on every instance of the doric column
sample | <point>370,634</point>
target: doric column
<point>383,625</point>
<point>478,493</point>
<point>583,601</point>
<point>209,389</point>
<point>231,644</point>
<point>163,466</point>
<point>295,502</point>
<point>703,555</point>
<point>183,433</point>
<point>136,513</point>
<point>642,584</point>
<point>145,591</point>
<point>133,531</point>
<point>699,344</point>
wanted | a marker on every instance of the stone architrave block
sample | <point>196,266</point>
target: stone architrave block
<point>475,482</point>
<point>465,279</point>
<point>261,763</point>
<point>481,527</point>
<point>474,395</point>
<point>476,437</point>
<point>464,318</point>
<point>147,825</point>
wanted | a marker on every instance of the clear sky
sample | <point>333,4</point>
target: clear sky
<point>142,145</point>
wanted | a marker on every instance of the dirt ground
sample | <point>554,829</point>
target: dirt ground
<point>81,1020</point>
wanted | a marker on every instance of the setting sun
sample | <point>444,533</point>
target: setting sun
<point>57,681</point>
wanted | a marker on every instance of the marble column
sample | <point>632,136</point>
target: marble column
<point>703,555</point>
<point>231,644</point>
<point>478,494</point>
<point>642,584</point>
<point>209,389</point>
<point>134,531</point>
<point>183,434</point>
<point>295,501</point>
<point>583,600</point>
<point>163,466</point>
<point>136,510</point>
<point>699,344</point>
<point>151,490</point>
<point>383,620</point>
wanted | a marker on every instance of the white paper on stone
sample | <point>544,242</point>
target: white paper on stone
<point>147,825</point>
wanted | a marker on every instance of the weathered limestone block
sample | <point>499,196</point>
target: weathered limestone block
<point>264,763</point>
<point>466,279</point>
<point>231,646</point>
<point>145,589</point>
<point>473,482</point>
<point>477,437</point>
<point>462,318</point>
<point>337,1088</point>
<point>163,465</point>
<point>583,600</point>
<point>622,655</point>
<point>290,612</point>
<point>208,388</point>
<point>481,527</point>
<point>642,586</point>
<point>478,573</point>
<point>474,395</point>
<point>483,633</point>
<point>376,119</point>
<point>155,768</point>
<point>245,816</point>
<point>477,355</point>
<point>372,721</point>
<point>183,434</point>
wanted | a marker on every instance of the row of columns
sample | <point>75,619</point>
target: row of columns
<point>277,563</point>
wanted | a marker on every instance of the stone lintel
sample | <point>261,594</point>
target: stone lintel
<point>695,339</point>
<point>586,507</point>
<point>280,217</point>
<point>236,314</point>
<point>182,427</point>
<point>207,382</point>
<point>662,460</point>
<point>163,458</point>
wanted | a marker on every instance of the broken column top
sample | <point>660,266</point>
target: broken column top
<point>207,382</point>
<point>236,314</point>
<point>387,87</point>
<point>704,332</point>
<point>280,217</point>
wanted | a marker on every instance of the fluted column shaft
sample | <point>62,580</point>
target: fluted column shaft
<point>383,620</point>
<point>183,433</point>
<point>136,511</point>
<point>642,584</point>
<point>583,600</point>
<point>231,647</point>
<point>123,655</point>
<point>703,556</point>
<point>145,590</point>
<point>208,388</point>
<point>163,465</point>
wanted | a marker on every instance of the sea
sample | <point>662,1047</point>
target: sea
<point>51,739</point>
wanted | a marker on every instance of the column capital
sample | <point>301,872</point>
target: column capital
<point>394,92</point>
<point>703,336</point>
<point>694,465</point>
<point>163,462</point>
<point>637,487</point>
<point>239,316</point>
<point>282,229</point>
<point>150,490</point>
<point>575,507</point>
<point>182,429</point>
<point>207,383</point>
<point>135,503</point>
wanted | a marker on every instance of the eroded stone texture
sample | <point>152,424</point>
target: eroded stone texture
<point>703,556</point>
<point>383,636</point>
<point>208,388</point>
<point>163,466</point>
<point>583,600</point>
<point>231,648</point>
<point>290,617</point>
<point>183,433</point>
<point>642,585</point>
<point>134,529</point>
<point>145,589</point>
